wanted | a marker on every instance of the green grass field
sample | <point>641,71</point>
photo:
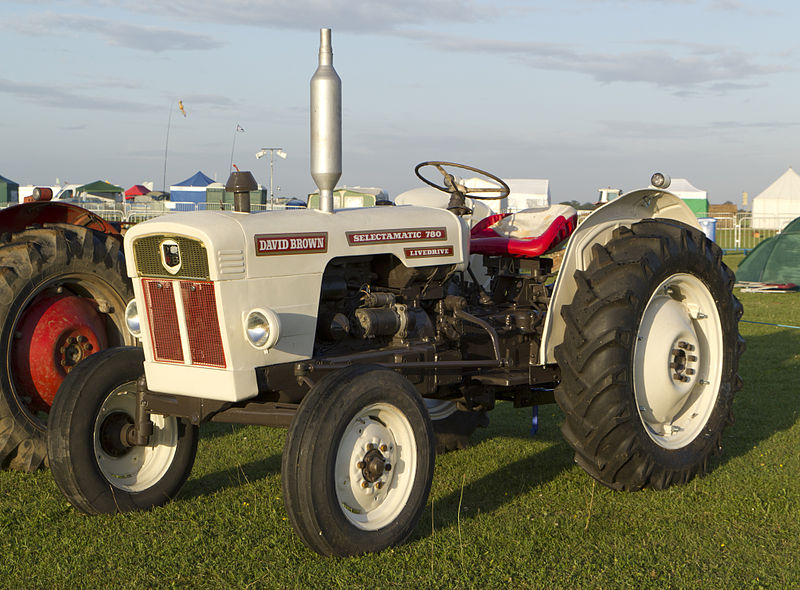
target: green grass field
<point>511,512</point>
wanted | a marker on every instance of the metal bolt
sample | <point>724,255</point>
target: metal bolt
<point>690,371</point>
<point>364,484</point>
<point>361,465</point>
<point>82,339</point>
<point>384,448</point>
<point>370,446</point>
<point>701,315</point>
<point>691,358</point>
<point>683,344</point>
<point>379,485</point>
<point>88,346</point>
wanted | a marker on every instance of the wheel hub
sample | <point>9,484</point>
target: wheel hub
<point>374,464</point>
<point>112,433</point>
<point>683,363</point>
<point>53,335</point>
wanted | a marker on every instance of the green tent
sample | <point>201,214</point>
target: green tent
<point>101,188</point>
<point>9,191</point>
<point>775,260</point>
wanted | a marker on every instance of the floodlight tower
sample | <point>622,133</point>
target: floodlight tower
<point>273,151</point>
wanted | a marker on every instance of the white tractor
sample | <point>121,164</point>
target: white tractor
<point>358,329</point>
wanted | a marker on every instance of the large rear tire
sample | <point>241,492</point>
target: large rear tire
<point>650,357</point>
<point>358,462</point>
<point>63,290</point>
<point>92,466</point>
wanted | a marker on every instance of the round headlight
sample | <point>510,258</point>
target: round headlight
<point>132,319</point>
<point>262,328</point>
<point>257,328</point>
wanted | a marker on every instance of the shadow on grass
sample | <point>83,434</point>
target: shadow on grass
<point>232,477</point>
<point>497,488</point>
<point>769,402</point>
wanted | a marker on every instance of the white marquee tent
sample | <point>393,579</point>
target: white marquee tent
<point>779,203</point>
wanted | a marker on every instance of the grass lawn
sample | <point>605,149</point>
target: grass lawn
<point>511,512</point>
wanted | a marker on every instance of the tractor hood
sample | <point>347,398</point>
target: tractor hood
<point>292,242</point>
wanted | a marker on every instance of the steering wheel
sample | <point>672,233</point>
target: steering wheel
<point>452,186</point>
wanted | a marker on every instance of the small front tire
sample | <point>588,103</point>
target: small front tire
<point>358,462</point>
<point>95,470</point>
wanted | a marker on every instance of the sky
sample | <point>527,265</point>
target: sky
<point>585,93</point>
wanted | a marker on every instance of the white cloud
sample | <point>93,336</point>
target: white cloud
<point>119,33</point>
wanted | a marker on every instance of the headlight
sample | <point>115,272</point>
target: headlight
<point>262,328</point>
<point>132,319</point>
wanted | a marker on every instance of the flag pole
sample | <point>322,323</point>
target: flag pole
<point>166,147</point>
<point>236,130</point>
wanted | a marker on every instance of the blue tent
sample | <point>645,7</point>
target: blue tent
<point>192,190</point>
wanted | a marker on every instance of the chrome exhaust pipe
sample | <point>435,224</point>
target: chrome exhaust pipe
<point>326,124</point>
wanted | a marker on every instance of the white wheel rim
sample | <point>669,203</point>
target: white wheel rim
<point>677,366</point>
<point>439,409</point>
<point>378,434</point>
<point>138,468</point>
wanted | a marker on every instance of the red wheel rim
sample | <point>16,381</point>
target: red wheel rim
<point>52,336</point>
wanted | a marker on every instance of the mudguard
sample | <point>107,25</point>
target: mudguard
<point>597,229</point>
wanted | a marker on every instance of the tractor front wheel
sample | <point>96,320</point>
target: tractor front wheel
<point>358,462</point>
<point>91,459</point>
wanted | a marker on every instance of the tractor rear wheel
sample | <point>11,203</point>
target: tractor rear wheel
<point>63,290</point>
<point>650,357</point>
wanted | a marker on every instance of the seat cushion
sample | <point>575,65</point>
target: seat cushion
<point>525,234</point>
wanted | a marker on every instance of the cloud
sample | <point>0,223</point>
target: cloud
<point>121,34</point>
<point>684,65</point>
<point>367,16</point>
<point>53,96</point>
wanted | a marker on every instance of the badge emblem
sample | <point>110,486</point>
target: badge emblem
<point>171,256</point>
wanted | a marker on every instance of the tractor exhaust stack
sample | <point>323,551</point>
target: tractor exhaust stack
<point>326,124</point>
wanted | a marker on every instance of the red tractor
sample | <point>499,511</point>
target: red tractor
<point>63,291</point>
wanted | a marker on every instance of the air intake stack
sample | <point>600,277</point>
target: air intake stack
<point>326,124</point>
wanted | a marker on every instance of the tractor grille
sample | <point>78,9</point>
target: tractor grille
<point>163,318</point>
<point>194,258</point>
<point>198,304</point>
<point>200,311</point>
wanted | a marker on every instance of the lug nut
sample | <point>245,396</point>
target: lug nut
<point>691,358</point>
<point>379,485</point>
<point>361,465</point>
<point>690,371</point>
<point>364,484</point>
<point>87,347</point>
<point>384,448</point>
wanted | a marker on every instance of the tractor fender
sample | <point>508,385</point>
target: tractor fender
<point>18,217</point>
<point>597,229</point>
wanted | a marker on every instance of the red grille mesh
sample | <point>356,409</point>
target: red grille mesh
<point>202,324</point>
<point>163,318</point>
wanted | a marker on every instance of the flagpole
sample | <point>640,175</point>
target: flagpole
<point>233,145</point>
<point>166,147</point>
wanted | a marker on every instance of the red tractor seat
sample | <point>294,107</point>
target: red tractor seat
<point>525,234</point>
